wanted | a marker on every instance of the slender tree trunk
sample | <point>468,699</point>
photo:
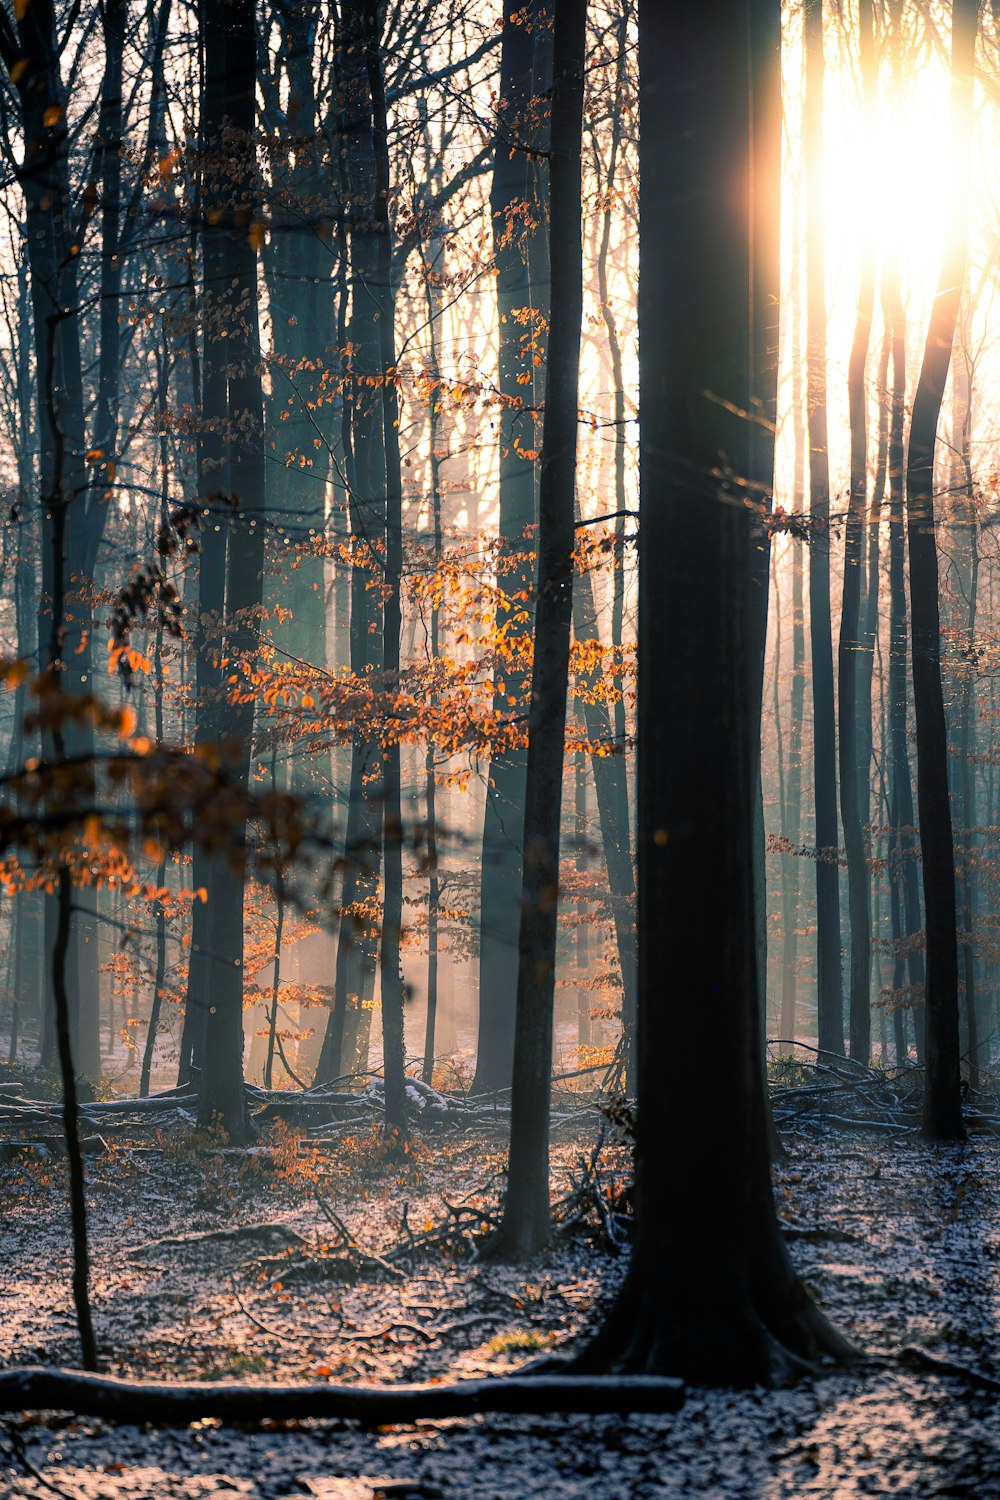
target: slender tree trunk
<point>612,806</point>
<point>854,775</point>
<point>792,824</point>
<point>829,994</point>
<point>74,1156</point>
<point>357,946</point>
<point>299,260</point>
<point>525,1225</point>
<point>582,913</point>
<point>272,1020</point>
<point>59,395</point>
<point>903,865</point>
<point>430,272</point>
<point>390,955</point>
<point>518,218</point>
<point>210,391</point>
<point>942,1094</point>
<point>160,971</point>
<point>966,568</point>
<point>44,178</point>
<point>618,391</point>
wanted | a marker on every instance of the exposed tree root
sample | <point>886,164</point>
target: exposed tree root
<point>918,1359</point>
<point>51,1389</point>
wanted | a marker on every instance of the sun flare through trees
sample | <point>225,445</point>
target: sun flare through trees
<point>499,828</point>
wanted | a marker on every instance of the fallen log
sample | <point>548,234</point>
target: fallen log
<point>245,1237</point>
<point>168,1403</point>
<point>150,1104</point>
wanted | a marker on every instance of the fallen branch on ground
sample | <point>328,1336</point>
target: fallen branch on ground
<point>178,1403</point>
<point>271,1235</point>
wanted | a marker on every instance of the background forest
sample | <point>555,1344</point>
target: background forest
<point>404,747</point>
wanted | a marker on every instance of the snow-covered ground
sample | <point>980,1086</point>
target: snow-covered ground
<point>900,1242</point>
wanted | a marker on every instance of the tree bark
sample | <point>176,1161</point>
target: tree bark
<point>518,219</point>
<point>711,1292</point>
<point>829,992</point>
<point>390,953</point>
<point>853,774</point>
<point>792,822</point>
<point>230,74</point>
<point>942,1091</point>
<point>357,945</point>
<point>524,1228</point>
<point>903,869</point>
<point>966,565</point>
<point>168,1402</point>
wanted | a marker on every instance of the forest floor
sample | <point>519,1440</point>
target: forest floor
<point>899,1242</point>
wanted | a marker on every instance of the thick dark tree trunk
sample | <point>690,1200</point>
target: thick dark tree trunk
<point>829,992</point>
<point>854,775</point>
<point>517,219</point>
<point>942,1093</point>
<point>762,408</point>
<point>711,1292</point>
<point>525,1225</point>
<point>230,72</point>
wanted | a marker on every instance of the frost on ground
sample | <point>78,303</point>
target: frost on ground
<point>900,1242</point>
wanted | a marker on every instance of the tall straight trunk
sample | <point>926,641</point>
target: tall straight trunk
<point>29,965</point>
<point>854,775</point>
<point>357,945</point>
<point>33,61</point>
<point>58,393</point>
<point>299,260</point>
<point>829,993</point>
<point>903,864</point>
<point>582,915</point>
<point>942,1093</point>
<point>618,395</point>
<point>612,805</point>
<point>210,395</point>
<point>518,219</point>
<point>230,71</point>
<point>792,824</point>
<point>616,795</point>
<point>762,407</point>
<point>273,1040</point>
<point>891,846</point>
<point>390,954</point>
<point>711,1293</point>
<point>524,1228</point>
<point>431,271</point>
<point>966,564</point>
<point>160,970</point>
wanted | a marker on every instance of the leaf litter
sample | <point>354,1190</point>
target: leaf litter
<point>218,1265</point>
